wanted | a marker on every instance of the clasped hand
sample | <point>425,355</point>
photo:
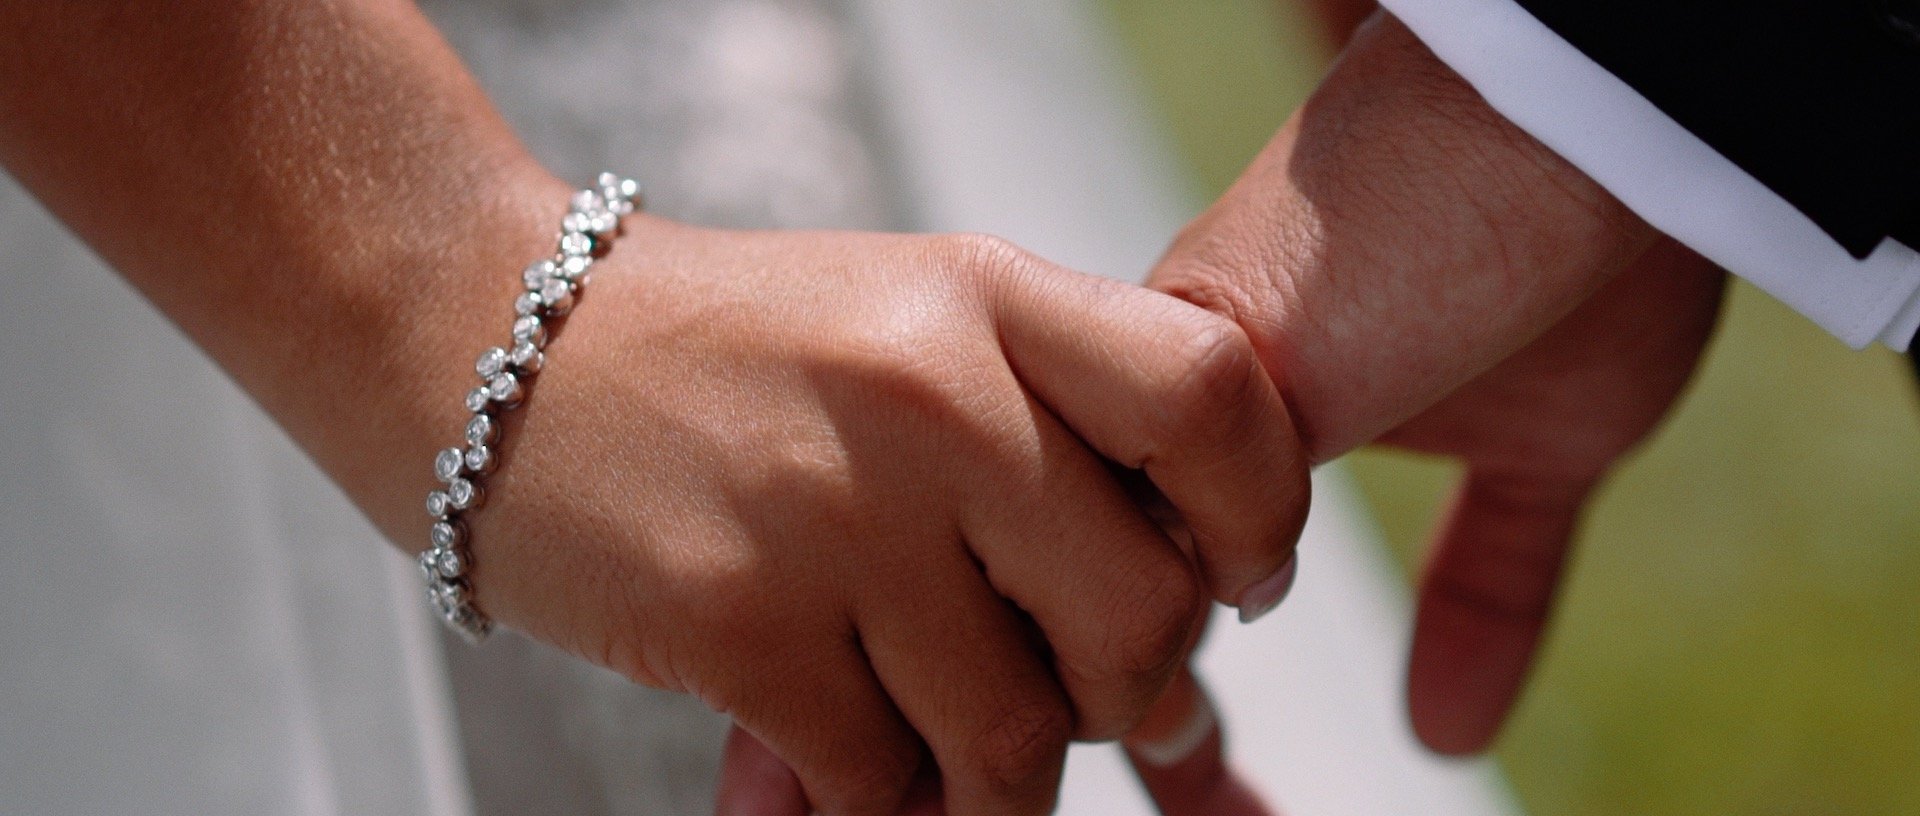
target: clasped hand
<point>886,499</point>
<point>915,511</point>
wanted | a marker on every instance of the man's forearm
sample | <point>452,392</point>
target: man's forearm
<point>314,190</point>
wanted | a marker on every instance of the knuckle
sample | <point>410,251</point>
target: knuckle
<point>1217,372</point>
<point>1158,622</point>
<point>989,264</point>
<point>1021,750</point>
<point>981,252</point>
<point>1152,619</point>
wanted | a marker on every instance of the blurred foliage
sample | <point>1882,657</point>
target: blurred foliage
<point>1741,634</point>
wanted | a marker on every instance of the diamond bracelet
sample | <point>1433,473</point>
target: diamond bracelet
<point>552,284</point>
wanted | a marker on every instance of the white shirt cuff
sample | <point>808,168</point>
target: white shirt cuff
<point>1664,173</point>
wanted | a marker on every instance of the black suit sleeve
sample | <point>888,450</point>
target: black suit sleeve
<point>1818,99</point>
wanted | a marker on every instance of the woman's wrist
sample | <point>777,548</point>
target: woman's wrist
<point>505,373</point>
<point>411,316</point>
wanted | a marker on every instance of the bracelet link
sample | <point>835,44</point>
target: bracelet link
<point>552,287</point>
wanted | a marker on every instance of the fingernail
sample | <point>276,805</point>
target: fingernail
<point>1265,596</point>
<point>1176,747</point>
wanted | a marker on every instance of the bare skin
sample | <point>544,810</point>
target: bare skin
<point>1413,268</point>
<point>801,475</point>
<point>270,165</point>
<point>1538,432</point>
<point>1511,313</point>
<point>1402,210</point>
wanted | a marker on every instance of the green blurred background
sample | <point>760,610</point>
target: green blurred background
<point>1742,630</point>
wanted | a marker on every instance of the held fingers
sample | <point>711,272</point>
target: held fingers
<point>1117,601</point>
<point>827,718</point>
<point>1157,384</point>
<point>966,671</point>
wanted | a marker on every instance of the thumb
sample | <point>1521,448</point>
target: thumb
<point>1484,603</point>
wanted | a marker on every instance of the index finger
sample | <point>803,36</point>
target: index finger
<point>1484,604</point>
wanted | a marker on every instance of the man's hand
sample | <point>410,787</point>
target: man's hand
<point>1398,240</point>
<point>1537,434</point>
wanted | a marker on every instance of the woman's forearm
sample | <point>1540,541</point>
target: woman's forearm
<point>314,190</point>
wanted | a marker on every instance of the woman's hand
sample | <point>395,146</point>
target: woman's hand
<point>800,475</point>
<point>854,490</point>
